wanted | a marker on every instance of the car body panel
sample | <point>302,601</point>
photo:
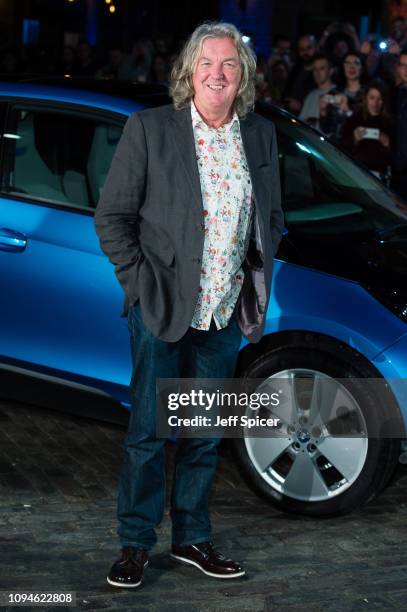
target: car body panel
<point>43,93</point>
<point>392,364</point>
<point>332,306</point>
<point>64,312</point>
<point>61,313</point>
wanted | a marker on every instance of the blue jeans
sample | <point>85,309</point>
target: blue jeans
<point>141,498</point>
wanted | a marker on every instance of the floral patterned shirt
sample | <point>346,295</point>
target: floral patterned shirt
<point>227,208</point>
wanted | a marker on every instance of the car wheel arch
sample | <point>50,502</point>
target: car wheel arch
<point>299,339</point>
<point>285,351</point>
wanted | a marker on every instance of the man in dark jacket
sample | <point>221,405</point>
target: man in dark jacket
<point>300,81</point>
<point>190,216</point>
<point>399,171</point>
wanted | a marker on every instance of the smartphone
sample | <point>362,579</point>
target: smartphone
<point>373,133</point>
<point>332,99</point>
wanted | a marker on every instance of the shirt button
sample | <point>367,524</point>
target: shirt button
<point>196,260</point>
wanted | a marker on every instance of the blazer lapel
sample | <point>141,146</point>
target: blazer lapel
<point>252,149</point>
<point>181,123</point>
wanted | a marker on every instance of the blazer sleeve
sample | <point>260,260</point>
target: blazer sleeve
<point>116,217</point>
<point>276,215</point>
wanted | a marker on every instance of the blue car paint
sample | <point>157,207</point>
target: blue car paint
<point>68,280</point>
<point>392,364</point>
<point>306,299</point>
<point>63,315</point>
<point>69,96</point>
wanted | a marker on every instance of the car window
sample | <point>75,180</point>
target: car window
<point>58,156</point>
<point>323,190</point>
<point>322,187</point>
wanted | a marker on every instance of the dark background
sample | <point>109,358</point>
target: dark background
<point>91,20</point>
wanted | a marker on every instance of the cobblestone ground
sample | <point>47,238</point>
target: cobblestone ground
<point>58,482</point>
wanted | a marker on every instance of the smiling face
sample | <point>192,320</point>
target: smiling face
<point>216,79</point>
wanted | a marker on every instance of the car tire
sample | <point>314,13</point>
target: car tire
<point>375,458</point>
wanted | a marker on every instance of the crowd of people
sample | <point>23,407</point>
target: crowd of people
<point>146,61</point>
<point>353,91</point>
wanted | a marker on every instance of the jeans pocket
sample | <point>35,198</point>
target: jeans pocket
<point>133,316</point>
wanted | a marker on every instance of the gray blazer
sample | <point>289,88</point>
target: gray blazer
<point>150,223</point>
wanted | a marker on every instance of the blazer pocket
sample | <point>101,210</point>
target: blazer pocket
<point>164,256</point>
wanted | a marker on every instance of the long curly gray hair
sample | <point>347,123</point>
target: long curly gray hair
<point>181,87</point>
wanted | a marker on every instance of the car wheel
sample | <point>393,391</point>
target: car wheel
<point>329,467</point>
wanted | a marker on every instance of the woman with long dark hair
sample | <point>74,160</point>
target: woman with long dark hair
<point>351,78</point>
<point>335,109</point>
<point>367,134</point>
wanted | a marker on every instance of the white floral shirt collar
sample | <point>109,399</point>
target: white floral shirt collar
<point>198,122</point>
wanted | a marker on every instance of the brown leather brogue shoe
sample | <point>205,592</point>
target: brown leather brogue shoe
<point>129,569</point>
<point>208,560</point>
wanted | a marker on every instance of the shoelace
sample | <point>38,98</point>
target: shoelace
<point>132,555</point>
<point>208,549</point>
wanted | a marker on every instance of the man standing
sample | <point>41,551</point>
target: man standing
<point>300,81</point>
<point>190,216</point>
<point>322,72</point>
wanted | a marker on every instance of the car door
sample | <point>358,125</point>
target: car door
<point>61,304</point>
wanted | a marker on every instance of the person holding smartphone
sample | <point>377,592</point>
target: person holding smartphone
<point>367,134</point>
<point>322,73</point>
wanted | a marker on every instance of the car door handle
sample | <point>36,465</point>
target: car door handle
<point>12,241</point>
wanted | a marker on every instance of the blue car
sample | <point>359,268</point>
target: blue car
<point>338,312</point>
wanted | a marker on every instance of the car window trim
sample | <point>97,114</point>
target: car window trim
<point>3,126</point>
<point>51,105</point>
